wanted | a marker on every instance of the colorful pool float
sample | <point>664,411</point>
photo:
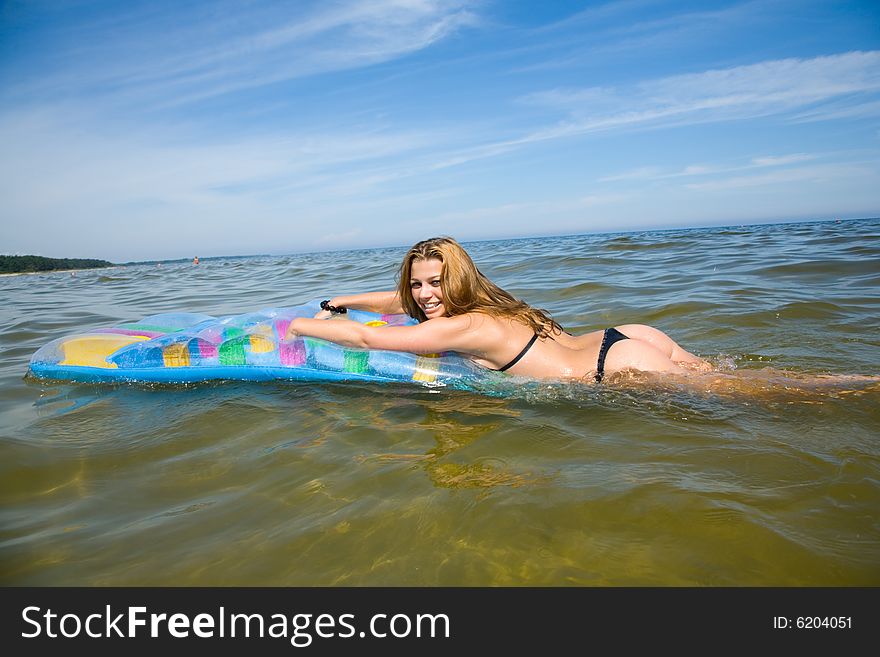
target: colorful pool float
<point>190,347</point>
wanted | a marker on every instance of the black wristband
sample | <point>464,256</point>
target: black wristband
<point>339,310</point>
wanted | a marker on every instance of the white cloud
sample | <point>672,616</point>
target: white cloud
<point>617,29</point>
<point>76,182</point>
<point>698,170</point>
<point>814,174</point>
<point>206,54</point>
<point>743,92</point>
<point>834,111</point>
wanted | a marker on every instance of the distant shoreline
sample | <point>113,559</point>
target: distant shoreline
<point>56,271</point>
<point>33,264</point>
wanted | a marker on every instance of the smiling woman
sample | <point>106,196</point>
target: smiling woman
<point>461,310</point>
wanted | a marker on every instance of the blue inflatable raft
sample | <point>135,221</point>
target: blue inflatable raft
<point>189,347</point>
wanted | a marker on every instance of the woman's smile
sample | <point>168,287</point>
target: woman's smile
<point>426,289</point>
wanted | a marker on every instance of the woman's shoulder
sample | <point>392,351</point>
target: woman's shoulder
<point>492,326</point>
<point>473,323</point>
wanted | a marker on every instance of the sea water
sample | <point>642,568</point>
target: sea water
<point>772,481</point>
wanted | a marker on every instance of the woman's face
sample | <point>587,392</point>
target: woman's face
<point>424,282</point>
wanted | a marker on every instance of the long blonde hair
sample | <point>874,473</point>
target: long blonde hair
<point>466,289</point>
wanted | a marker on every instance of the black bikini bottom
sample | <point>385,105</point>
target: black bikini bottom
<point>611,336</point>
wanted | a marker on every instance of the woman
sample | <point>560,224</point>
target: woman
<point>461,310</point>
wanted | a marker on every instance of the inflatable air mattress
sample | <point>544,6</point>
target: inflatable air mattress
<point>189,347</point>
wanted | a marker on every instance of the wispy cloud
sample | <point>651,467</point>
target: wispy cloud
<point>204,54</point>
<point>697,170</point>
<point>155,163</point>
<point>769,88</point>
<point>819,174</point>
<point>618,29</point>
<point>774,87</point>
<point>836,111</point>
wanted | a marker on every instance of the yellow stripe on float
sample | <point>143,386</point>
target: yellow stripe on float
<point>176,355</point>
<point>427,368</point>
<point>262,339</point>
<point>261,344</point>
<point>93,350</point>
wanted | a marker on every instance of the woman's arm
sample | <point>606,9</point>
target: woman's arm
<point>378,302</point>
<point>439,334</point>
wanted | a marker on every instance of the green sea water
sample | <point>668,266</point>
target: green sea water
<point>761,477</point>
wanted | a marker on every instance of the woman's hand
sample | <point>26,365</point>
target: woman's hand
<point>291,331</point>
<point>323,314</point>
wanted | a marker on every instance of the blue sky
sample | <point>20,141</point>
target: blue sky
<point>150,130</point>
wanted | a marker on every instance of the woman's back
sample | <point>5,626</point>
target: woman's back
<point>499,340</point>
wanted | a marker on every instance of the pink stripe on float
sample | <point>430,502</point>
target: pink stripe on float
<point>206,349</point>
<point>292,353</point>
<point>212,334</point>
<point>281,327</point>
